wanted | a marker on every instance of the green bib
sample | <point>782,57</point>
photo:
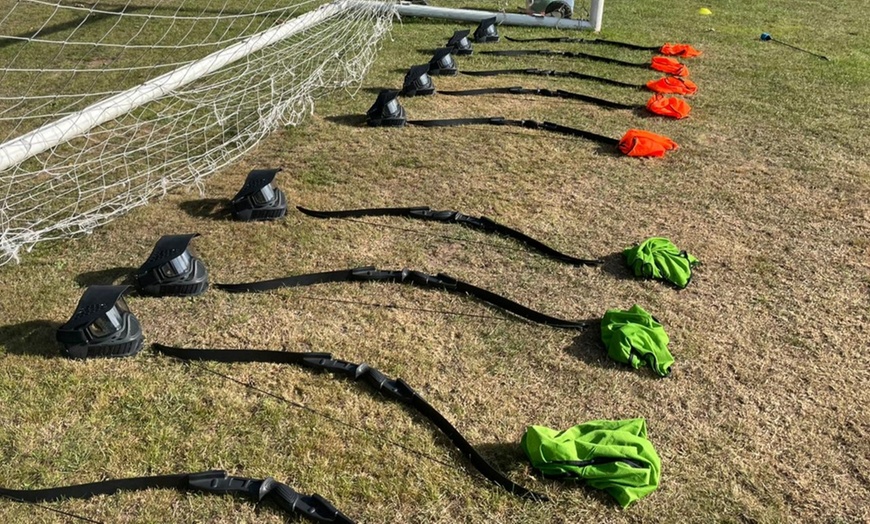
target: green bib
<point>613,455</point>
<point>658,258</point>
<point>635,337</point>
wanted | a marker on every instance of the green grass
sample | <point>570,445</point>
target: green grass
<point>764,420</point>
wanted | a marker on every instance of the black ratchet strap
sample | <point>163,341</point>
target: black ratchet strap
<point>454,217</point>
<point>405,276</point>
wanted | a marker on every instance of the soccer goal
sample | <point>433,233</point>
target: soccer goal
<point>104,106</point>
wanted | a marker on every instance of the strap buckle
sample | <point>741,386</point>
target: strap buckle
<point>314,507</point>
<point>425,279</point>
<point>432,214</point>
<point>405,275</point>
<point>372,273</point>
<point>448,215</point>
<point>220,482</point>
<point>362,371</point>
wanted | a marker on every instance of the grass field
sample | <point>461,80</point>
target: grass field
<point>764,419</point>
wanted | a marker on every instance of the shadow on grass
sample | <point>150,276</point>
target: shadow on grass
<point>643,112</point>
<point>377,90</point>
<point>614,265</point>
<point>116,276</point>
<point>589,348</point>
<point>211,208</point>
<point>506,457</point>
<point>607,150</point>
<point>34,337</point>
<point>355,120</point>
<point>47,30</point>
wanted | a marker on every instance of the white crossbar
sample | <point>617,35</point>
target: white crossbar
<point>469,15</point>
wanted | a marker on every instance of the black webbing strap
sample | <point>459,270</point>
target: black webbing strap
<point>313,507</point>
<point>406,276</point>
<point>550,72</point>
<point>566,39</point>
<point>565,130</point>
<point>567,54</point>
<point>242,355</point>
<point>93,489</point>
<point>453,122</point>
<point>528,124</point>
<point>553,93</point>
<point>516,308</point>
<point>396,389</point>
<point>298,281</point>
<point>480,223</point>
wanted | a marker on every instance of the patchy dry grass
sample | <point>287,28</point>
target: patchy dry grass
<point>764,420</point>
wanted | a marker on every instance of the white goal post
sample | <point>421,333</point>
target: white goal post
<point>596,12</point>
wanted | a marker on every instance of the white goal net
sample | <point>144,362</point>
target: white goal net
<point>106,105</point>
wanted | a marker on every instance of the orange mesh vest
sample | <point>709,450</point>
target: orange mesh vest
<point>672,85</point>
<point>684,50</point>
<point>668,106</point>
<point>643,143</point>
<point>669,65</point>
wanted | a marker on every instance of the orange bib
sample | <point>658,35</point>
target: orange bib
<point>670,107</point>
<point>684,50</point>
<point>643,143</point>
<point>672,85</point>
<point>669,65</point>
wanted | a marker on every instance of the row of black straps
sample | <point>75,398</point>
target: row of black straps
<point>315,507</point>
<point>396,389</point>
<point>312,507</point>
